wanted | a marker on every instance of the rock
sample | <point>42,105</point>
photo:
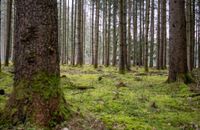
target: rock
<point>2,92</point>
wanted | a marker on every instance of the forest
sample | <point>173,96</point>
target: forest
<point>99,64</point>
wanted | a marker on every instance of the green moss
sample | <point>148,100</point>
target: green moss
<point>132,109</point>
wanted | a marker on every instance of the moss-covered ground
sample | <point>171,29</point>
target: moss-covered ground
<point>134,101</point>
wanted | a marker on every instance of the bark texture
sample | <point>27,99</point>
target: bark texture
<point>36,96</point>
<point>178,46</point>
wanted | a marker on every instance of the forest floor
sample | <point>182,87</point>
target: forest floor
<point>134,101</point>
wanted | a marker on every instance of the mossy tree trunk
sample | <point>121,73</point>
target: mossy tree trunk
<point>178,46</point>
<point>36,96</point>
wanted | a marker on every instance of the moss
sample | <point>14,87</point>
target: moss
<point>175,109</point>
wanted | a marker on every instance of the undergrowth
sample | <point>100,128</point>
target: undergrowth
<point>134,101</point>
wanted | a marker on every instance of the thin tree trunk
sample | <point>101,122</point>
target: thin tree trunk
<point>114,34</point>
<point>122,19</point>
<point>108,34</point>
<point>152,35</point>
<point>129,48</point>
<point>136,47</point>
<point>163,35</point>
<point>93,32</point>
<point>75,31</point>
<point>8,31</point>
<point>72,33</point>
<point>146,35</point>
<point>68,33</point>
<point>96,34</point>
<point>0,35</point>
<point>158,36</point>
<point>64,33</point>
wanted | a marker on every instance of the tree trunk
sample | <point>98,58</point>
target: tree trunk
<point>8,31</point>
<point>64,32</point>
<point>136,47</point>
<point>72,33</point>
<point>96,34</point>
<point>0,35</point>
<point>36,95</point>
<point>158,36</point>
<point>146,35</point>
<point>114,34</point>
<point>129,48</point>
<point>107,52</point>
<point>152,35</point>
<point>122,19</point>
<point>93,57</point>
<point>75,32</point>
<point>178,46</point>
<point>68,33</point>
<point>163,34</point>
<point>79,31</point>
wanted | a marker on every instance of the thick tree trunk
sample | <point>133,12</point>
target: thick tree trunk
<point>178,46</point>
<point>96,35</point>
<point>36,96</point>
<point>8,31</point>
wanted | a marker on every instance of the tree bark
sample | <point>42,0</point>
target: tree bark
<point>96,35</point>
<point>107,44</point>
<point>163,34</point>
<point>152,35</point>
<point>8,31</point>
<point>129,48</point>
<point>146,35</point>
<point>114,34</point>
<point>178,46</point>
<point>64,32</point>
<point>93,57</point>
<point>158,36</point>
<point>122,20</point>
<point>36,94</point>
<point>0,35</point>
